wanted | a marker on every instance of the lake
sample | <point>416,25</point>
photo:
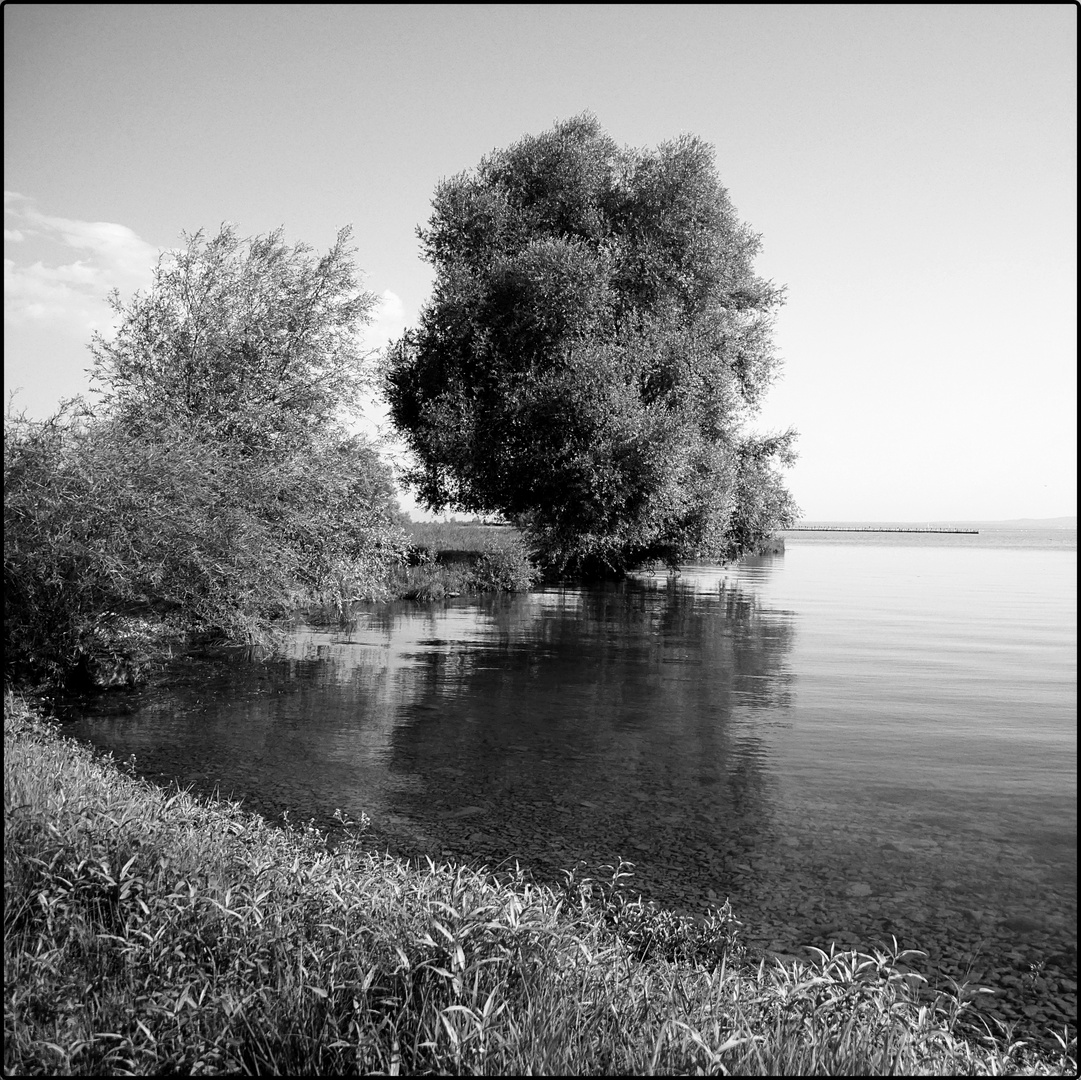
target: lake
<point>872,735</point>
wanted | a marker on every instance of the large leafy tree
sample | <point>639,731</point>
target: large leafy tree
<point>595,347</point>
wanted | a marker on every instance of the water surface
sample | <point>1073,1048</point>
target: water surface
<point>854,740</point>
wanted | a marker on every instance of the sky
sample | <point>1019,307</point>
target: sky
<point>912,171</point>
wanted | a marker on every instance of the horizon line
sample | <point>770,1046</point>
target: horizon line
<point>936,521</point>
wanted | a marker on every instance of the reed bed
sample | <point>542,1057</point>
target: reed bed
<point>148,931</point>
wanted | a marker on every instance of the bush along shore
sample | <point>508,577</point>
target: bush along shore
<point>435,561</point>
<point>148,931</point>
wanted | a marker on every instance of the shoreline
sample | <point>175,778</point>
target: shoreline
<point>1019,974</point>
<point>196,874</point>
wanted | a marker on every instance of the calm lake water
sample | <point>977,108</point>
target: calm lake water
<point>869,735</point>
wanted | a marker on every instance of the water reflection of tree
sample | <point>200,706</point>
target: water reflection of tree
<point>631,720</point>
<point>640,699</point>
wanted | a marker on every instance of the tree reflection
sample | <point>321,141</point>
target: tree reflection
<point>634,720</point>
<point>630,718</point>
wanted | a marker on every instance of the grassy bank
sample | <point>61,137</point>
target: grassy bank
<point>152,932</point>
<point>453,559</point>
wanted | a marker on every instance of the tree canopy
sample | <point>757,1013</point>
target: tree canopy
<point>257,340</point>
<point>595,344</point>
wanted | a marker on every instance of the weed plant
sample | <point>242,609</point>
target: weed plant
<point>147,931</point>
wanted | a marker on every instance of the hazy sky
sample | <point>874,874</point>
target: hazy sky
<point>912,170</point>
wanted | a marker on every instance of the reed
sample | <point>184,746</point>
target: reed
<point>149,931</point>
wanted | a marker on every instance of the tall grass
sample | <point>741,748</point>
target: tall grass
<point>148,931</point>
<point>452,559</point>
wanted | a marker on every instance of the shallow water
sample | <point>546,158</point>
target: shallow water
<point>851,741</point>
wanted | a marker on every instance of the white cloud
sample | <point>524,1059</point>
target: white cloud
<point>373,420</point>
<point>88,260</point>
<point>388,323</point>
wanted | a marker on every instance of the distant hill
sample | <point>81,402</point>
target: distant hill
<point>1010,523</point>
<point>1040,523</point>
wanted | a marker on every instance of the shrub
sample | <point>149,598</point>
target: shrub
<point>449,558</point>
<point>107,532</point>
<point>505,564</point>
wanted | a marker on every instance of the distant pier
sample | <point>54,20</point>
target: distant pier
<point>833,528</point>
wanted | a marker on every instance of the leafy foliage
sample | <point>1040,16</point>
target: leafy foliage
<point>651,932</point>
<point>102,527</point>
<point>214,486</point>
<point>483,558</point>
<point>595,343</point>
<point>260,345</point>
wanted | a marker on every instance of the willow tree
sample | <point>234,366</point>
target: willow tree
<point>215,484</point>
<point>595,349</point>
<point>254,340</point>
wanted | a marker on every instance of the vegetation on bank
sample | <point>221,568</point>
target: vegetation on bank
<point>592,386</point>
<point>148,931</point>
<point>213,489</point>
<point>212,485</point>
<point>116,542</point>
<point>121,548</point>
<point>445,559</point>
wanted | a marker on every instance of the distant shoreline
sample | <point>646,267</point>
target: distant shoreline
<point>1012,523</point>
